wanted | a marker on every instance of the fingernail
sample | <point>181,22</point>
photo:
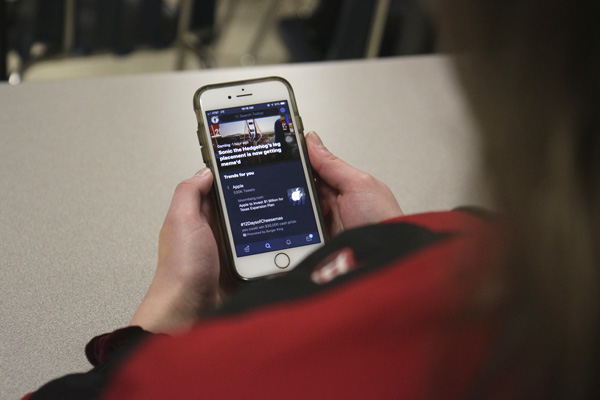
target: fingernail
<point>315,138</point>
<point>203,172</point>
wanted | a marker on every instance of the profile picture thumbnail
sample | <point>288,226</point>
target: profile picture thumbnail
<point>296,196</point>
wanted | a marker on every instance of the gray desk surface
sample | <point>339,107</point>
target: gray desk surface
<point>87,169</point>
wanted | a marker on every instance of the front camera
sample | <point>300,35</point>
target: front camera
<point>229,97</point>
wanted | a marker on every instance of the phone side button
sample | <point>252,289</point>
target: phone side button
<point>205,156</point>
<point>198,133</point>
<point>282,260</point>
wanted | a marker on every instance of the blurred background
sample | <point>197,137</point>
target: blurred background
<point>62,39</point>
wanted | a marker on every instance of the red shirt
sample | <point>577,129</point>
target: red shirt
<point>391,317</point>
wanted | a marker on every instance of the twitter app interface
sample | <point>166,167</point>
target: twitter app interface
<point>265,190</point>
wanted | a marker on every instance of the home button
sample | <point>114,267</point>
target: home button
<point>282,260</point>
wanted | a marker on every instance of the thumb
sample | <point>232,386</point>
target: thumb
<point>331,169</point>
<point>189,194</point>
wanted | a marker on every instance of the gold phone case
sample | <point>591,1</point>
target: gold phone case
<point>207,158</point>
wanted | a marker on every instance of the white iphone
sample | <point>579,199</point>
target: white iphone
<point>252,140</point>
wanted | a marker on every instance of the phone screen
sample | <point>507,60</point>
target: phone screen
<point>261,174</point>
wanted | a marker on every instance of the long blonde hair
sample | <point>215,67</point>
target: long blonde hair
<point>531,69</point>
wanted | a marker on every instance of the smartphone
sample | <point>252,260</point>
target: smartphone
<point>251,138</point>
